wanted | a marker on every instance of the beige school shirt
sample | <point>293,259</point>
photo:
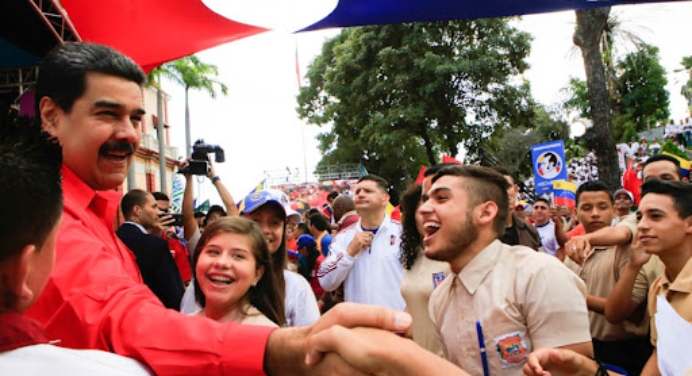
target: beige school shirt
<point>678,293</point>
<point>523,300</point>
<point>416,287</point>
<point>601,270</point>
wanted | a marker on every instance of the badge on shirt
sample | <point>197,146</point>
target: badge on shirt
<point>392,239</point>
<point>512,349</point>
<point>438,278</point>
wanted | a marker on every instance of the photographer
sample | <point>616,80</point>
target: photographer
<point>191,230</point>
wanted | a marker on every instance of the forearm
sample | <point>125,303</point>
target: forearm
<point>226,198</point>
<point>189,221</point>
<point>285,353</point>
<point>596,303</point>
<point>651,367</point>
<point>619,304</point>
<point>610,236</point>
<point>560,234</point>
<point>411,360</point>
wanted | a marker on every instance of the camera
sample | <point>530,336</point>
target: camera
<point>178,219</point>
<point>199,161</point>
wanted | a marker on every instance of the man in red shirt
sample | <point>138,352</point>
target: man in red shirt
<point>90,98</point>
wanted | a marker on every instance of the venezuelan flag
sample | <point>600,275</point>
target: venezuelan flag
<point>564,193</point>
<point>685,165</point>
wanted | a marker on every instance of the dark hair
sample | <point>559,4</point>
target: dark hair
<point>542,199</point>
<point>594,186</point>
<point>135,197</point>
<point>313,211</point>
<point>63,72</point>
<point>303,228</point>
<point>267,296</point>
<point>679,192</point>
<point>380,182</point>
<point>319,221</point>
<point>410,238</point>
<point>434,169</point>
<point>332,195</point>
<point>160,196</point>
<point>664,157</point>
<point>482,184</point>
<point>30,167</point>
<point>306,269</point>
<point>213,209</point>
<point>199,214</point>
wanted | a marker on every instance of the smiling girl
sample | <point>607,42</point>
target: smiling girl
<point>234,277</point>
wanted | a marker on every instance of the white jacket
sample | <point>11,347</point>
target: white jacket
<point>374,275</point>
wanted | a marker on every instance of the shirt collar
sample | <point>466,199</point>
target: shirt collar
<point>104,203</point>
<point>683,282</point>
<point>140,227</point>
<point>346,215</point>
<point>473,274</point>
<point>18,331</point>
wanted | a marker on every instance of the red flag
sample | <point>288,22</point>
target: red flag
<point>448,159</point>
<point>421,175</point>
<point>632,183</point>
<point>298,67</point>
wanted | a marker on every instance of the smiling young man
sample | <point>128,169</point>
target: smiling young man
<point>624,344</point>
<point>518,299</point>
<point>90,97</point>
<point>665,230</point>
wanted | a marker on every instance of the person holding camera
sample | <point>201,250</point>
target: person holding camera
<point>156,264</point>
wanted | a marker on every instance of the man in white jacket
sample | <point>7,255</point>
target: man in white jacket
<point>365,256</point>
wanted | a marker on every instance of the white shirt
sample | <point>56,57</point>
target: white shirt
<point>41,360</point>
<point>547,233</point>
<point>300,303</point>
<point>374,275</point>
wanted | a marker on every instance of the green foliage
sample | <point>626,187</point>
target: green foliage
<point>398,96</point>
<point>579,99</point>
<point>686,90</point>
<point>641,88</point>
<point>513,149</point>
<point>670,147</point>
<point>639,98</point>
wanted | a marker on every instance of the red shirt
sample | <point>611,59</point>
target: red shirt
<point>95,299</point>
<point>17,331</point>
<point>180,255</point>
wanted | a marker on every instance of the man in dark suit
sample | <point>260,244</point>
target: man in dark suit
<point>154,259</point>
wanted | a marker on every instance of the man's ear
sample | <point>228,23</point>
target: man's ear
<point>136,211</point>
<point>49,111</point>
<point>688,224</point>
<point>15,275</point>
<point>485,213</point>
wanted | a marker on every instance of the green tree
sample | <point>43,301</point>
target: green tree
<point>640,85</point>
<point>398,96</point>
<point>191,73</point>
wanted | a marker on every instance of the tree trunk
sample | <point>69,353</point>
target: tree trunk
<point>590,25</point>
<point>428,144</point>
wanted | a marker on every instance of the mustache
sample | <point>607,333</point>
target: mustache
<point>117,146</point>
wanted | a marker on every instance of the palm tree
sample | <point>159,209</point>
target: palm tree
<point>191,73</point>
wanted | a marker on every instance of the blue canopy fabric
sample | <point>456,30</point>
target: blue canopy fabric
<point>377,12</point>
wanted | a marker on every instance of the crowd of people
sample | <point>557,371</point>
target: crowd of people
<point>468,283</point>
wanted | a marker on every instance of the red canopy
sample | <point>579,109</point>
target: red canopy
<point>153,32</point>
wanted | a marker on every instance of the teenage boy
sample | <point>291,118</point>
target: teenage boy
<point>623,345</point>
<point>513,297</point>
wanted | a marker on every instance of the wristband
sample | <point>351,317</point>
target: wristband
<point>215,179</point>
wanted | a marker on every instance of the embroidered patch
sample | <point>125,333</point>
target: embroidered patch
<point>438,278</point>
<point>392,239</point>
<point>512,349</point>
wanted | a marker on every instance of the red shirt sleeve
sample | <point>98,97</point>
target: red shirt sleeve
<point>92,302</point>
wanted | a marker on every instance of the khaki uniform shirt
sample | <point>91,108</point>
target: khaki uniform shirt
<point>601,270</point>
<point>678,293</point>
<point>416,287</point>
<point>522,299</point>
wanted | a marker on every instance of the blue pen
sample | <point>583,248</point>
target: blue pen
<point>481,344</point>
